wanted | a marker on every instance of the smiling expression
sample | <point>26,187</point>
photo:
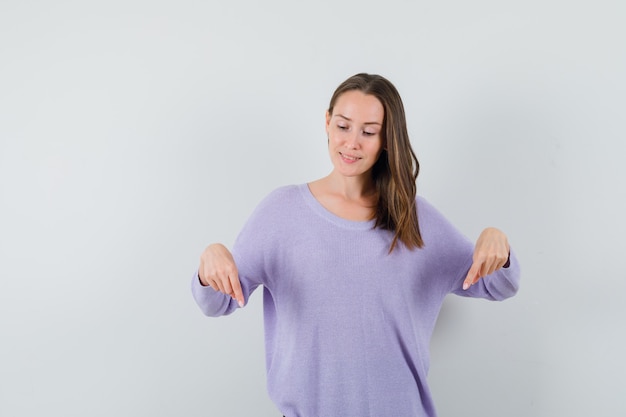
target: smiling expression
<point>355,133</point>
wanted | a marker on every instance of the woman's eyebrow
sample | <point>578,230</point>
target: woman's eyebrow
<point>349,120</point>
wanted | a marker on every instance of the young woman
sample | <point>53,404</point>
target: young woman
<point>354,268</point>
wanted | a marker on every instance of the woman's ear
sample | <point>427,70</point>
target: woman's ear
<point>327,125</point>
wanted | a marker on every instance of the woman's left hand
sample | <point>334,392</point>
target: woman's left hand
<point>490,254</point>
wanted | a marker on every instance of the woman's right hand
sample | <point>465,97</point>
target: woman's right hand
<point>218,270</point>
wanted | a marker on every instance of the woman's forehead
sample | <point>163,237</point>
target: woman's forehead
<point>355,104</point>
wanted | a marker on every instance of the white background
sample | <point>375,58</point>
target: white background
<point>133,133</point>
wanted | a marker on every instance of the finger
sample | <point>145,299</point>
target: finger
<point>497,264</point>
<point>228,289</point>
<point>207,280</point>
<point>230,276</point>
<point>220,285</point>
<point>487,268</point>
<point>202,275</point>
<point>237,292</point>
<point>472,276</point>
<point>492,265</point>
<point>503,260</point>
<point>213,285</point>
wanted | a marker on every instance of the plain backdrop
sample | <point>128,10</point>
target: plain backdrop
<point>133,133</point>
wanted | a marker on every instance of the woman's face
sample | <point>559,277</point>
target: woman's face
<point>355,133</point>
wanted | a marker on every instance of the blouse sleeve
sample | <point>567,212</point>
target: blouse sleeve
<point>450,255</point>
<point>498,286</point>
<point>252,254</point>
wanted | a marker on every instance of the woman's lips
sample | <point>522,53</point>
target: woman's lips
<point>348,158</point>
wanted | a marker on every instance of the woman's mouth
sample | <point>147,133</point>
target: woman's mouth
<point>348,158</point>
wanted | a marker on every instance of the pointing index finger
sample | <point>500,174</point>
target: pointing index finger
<point>472,276</point>
<point>236,286</point>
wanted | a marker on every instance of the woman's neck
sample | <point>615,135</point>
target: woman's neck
<point>351,198</point>
<point>351,188</point>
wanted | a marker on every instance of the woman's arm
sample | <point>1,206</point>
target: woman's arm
<point>218,270</point>
<point>216,286</point>
<point>494,272</point>
<point>491,253</point>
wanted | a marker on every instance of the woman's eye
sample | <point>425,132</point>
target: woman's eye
<point>342,127</point>
<point>368,133</point>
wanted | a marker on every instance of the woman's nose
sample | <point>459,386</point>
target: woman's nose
<point>352,140</point>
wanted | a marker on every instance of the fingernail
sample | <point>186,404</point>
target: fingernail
<point>240,303</point>
<point>465,285</point>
